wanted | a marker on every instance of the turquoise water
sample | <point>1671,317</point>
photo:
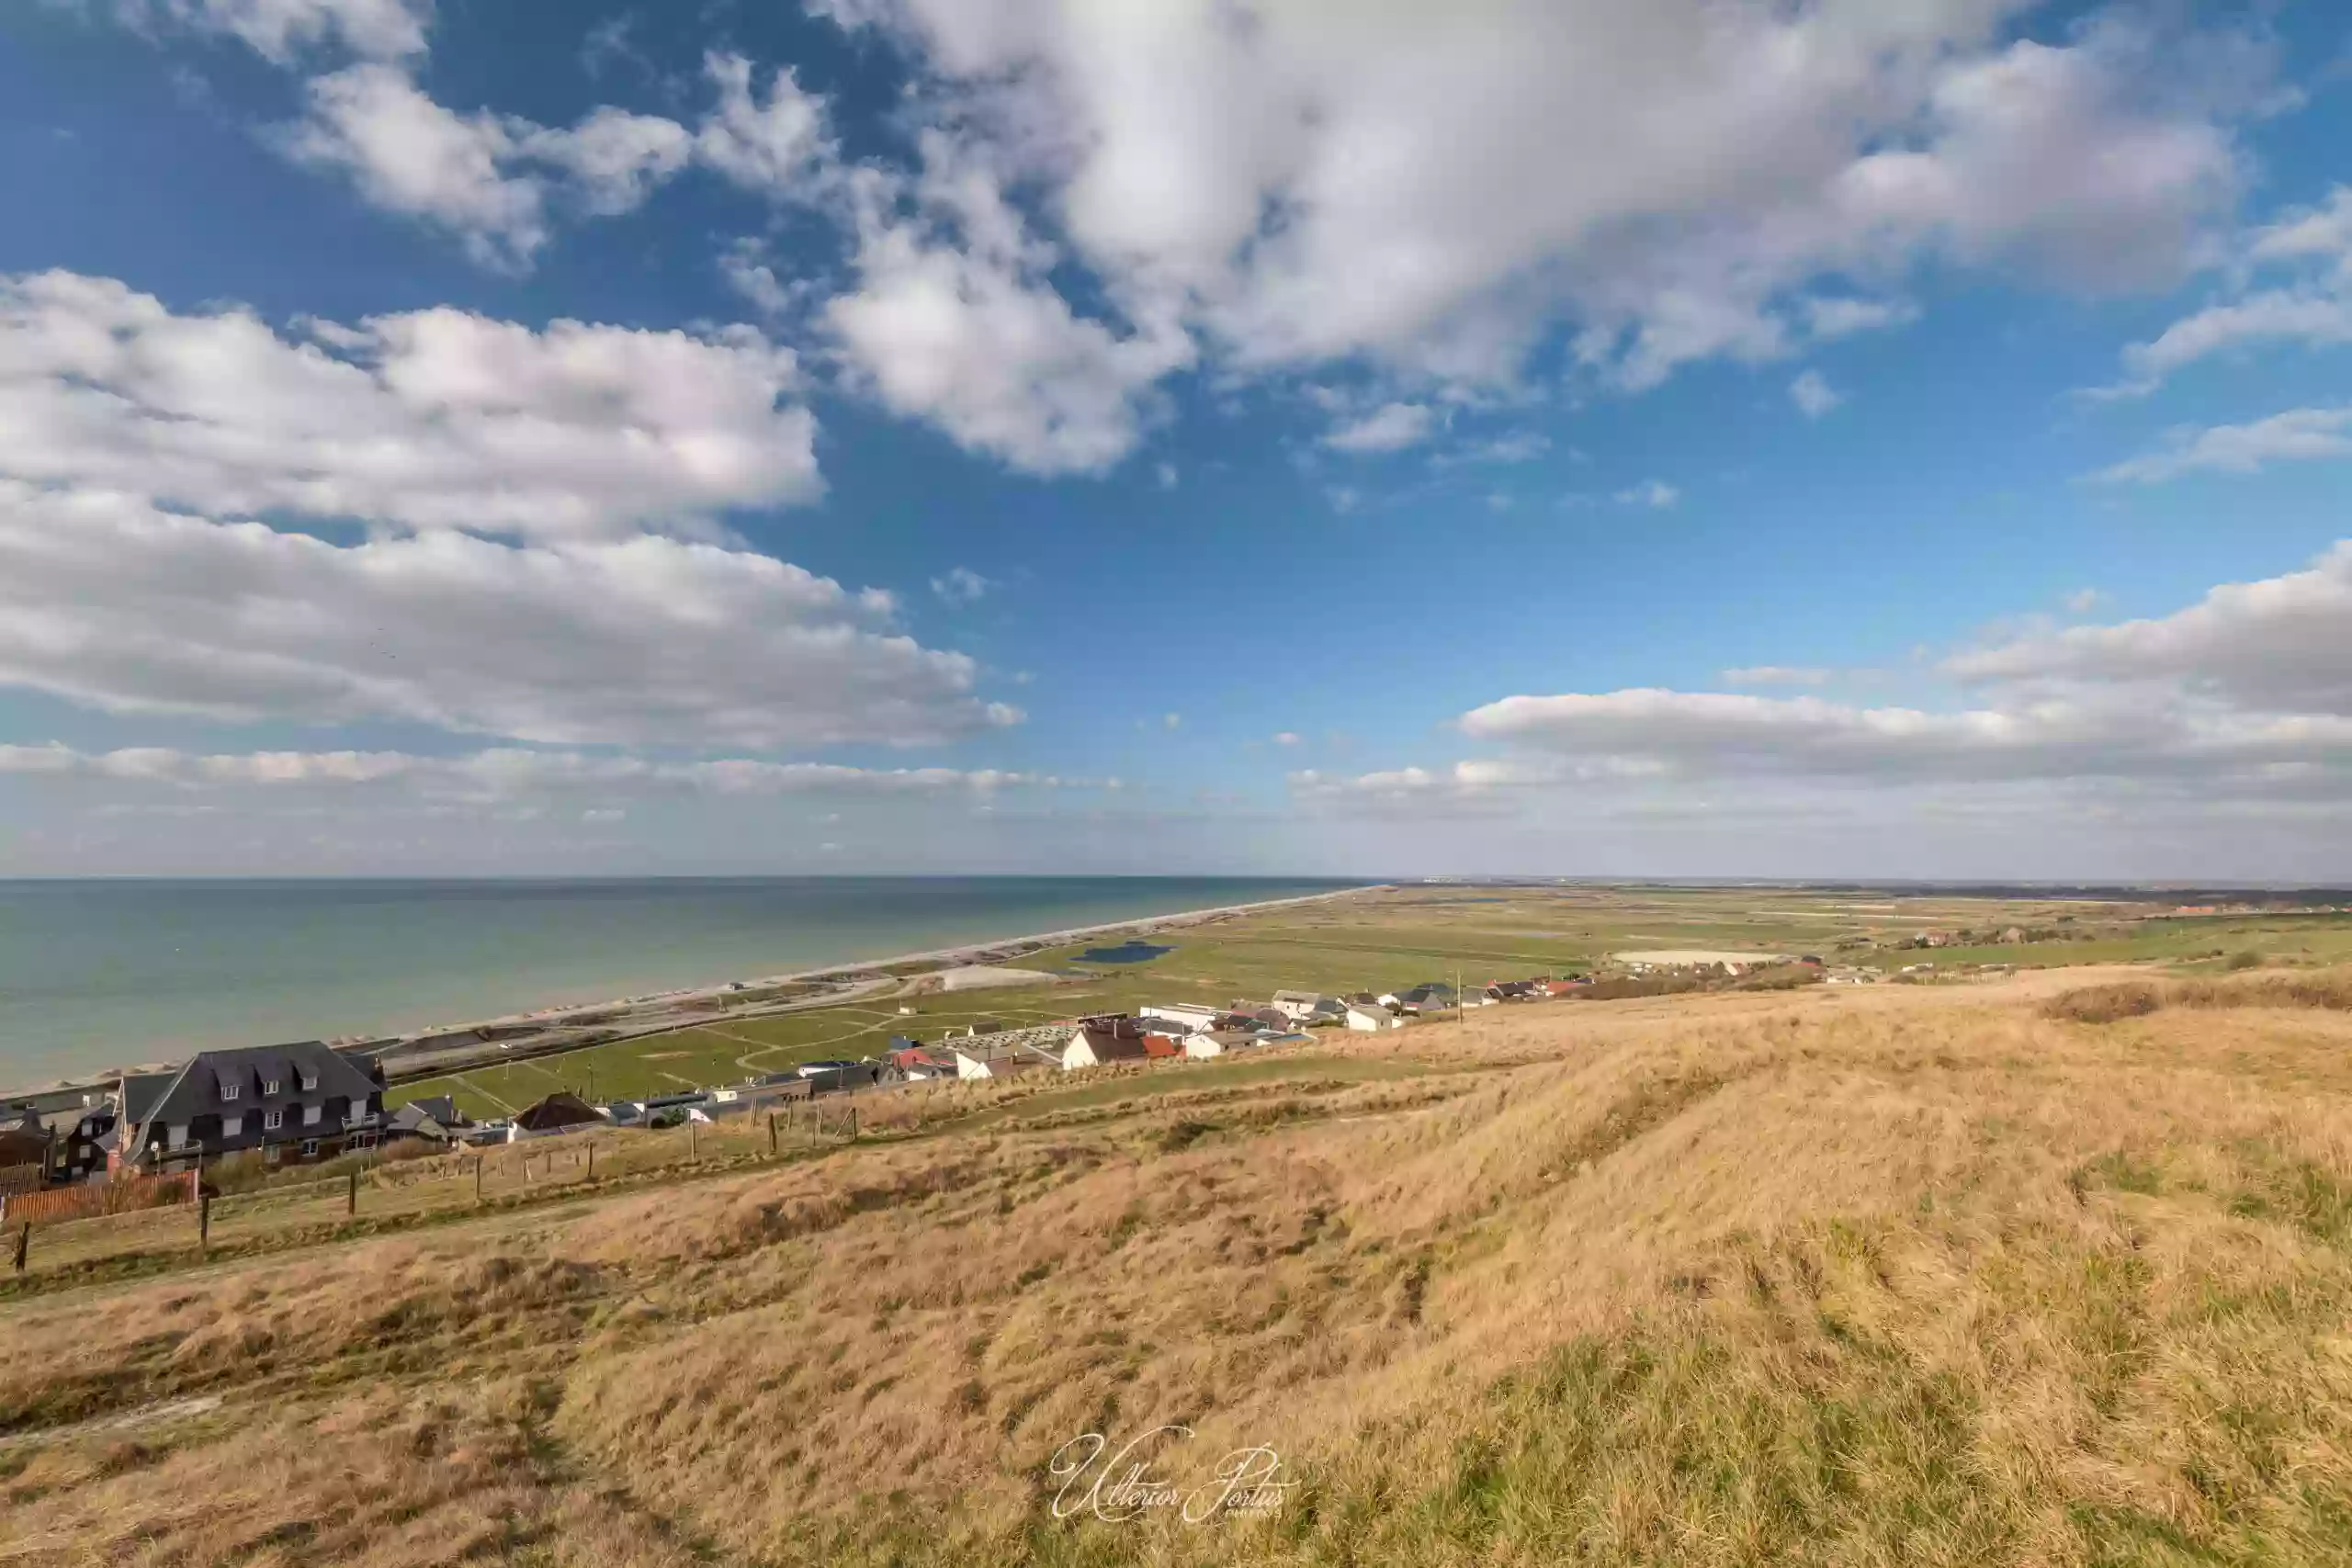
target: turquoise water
<point>102,974</point>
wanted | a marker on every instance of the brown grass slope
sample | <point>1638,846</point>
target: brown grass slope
<point>1888,1276</point>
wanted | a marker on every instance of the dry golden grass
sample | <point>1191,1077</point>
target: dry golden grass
<point>1889,1275</point>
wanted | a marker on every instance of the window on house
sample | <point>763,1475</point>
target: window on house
<point>310,1146</point>
<point>273,1120</point>
<point>310,1081</point>
<point>269,1085</point>
<point>227,1091</point>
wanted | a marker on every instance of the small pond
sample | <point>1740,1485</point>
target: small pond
<point>1128,952</point>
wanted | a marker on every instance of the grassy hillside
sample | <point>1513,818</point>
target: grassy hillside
<point>1886,1276</point>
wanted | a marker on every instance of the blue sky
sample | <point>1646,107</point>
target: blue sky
<point>1599,438</point>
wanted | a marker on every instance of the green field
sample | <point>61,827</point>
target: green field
<point>1382,941</point>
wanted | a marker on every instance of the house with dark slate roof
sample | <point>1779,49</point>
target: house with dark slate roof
<point>295,1103</point>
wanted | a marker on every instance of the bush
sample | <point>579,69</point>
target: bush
<point>2244,959</point>
<point>2105,1004</point>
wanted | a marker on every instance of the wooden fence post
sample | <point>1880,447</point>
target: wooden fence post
<point>852,1123</point>
<point>351,1197</point>
<point>592,1159</point>
<point>478,1159</point>
<point>203,1223</point>
<point>24,1244</point>
<point>771,1135</point>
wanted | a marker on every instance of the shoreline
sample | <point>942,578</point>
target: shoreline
<point>937,958</point>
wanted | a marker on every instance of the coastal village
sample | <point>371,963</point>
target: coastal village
<point>307,1102</point>
<point>310,1102</point>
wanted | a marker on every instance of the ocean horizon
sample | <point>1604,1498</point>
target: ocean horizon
<point>98,973</point>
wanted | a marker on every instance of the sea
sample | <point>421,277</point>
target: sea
<point>107,972</point>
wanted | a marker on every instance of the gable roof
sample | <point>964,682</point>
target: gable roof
<point>562,1108</point>
<point>1111,1044</point>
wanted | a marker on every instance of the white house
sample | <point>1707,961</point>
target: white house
<point>1099,1040</point>
<point>1309,1007</point>
<point>1370,1018</point>
<point>1001,1063</point>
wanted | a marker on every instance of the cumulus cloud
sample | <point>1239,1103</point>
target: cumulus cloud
<point>492,180</point>
<point>954,321</point>
<point>2297,436</point>
<point>1391,428</point>
<point>775,143</point>
<point>436,418</point>
<point>1438,188</point>
<point>122,606</point>
<point>278,30</point>
<point>1813,395</point>
<point>2243,700</point>
<point>407,154</point>
<point>2275,646</point>
<point>138,446</point>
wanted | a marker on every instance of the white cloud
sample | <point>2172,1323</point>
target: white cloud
<point>616,159</point>
<point>2324,233</point>
<point>491,179</point>
<point>1171,720</point>
<point>279,30</point>
<point>2297,436</point>
<point>1779,675</point>
<point>112,603</point>
<point>432,419</point>
<point>1167,476</point>
<point>2273,646</point>
<point>1836,316</point>
<point>1813,395</point>
<point>407,154</point>
<point>2083,601</point>
<point>2242,699</point>
<point>1518,447</point>
<point>506,773</point>
<point>1653,494</point>
<point>1438,188</point>
<point>1286,737</point>
<point>961,586</point>
<point>778,146</point>
<point>1392,427</point>
<point>1715,734</point>
<point>2313,310</point>
<point>743,265</point>
<point>973,337</point>
<point>2313,318</point>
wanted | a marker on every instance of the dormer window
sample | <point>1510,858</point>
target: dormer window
<point>309,1082</point>
<point>270,1086</point>
<point>227,1091</point>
